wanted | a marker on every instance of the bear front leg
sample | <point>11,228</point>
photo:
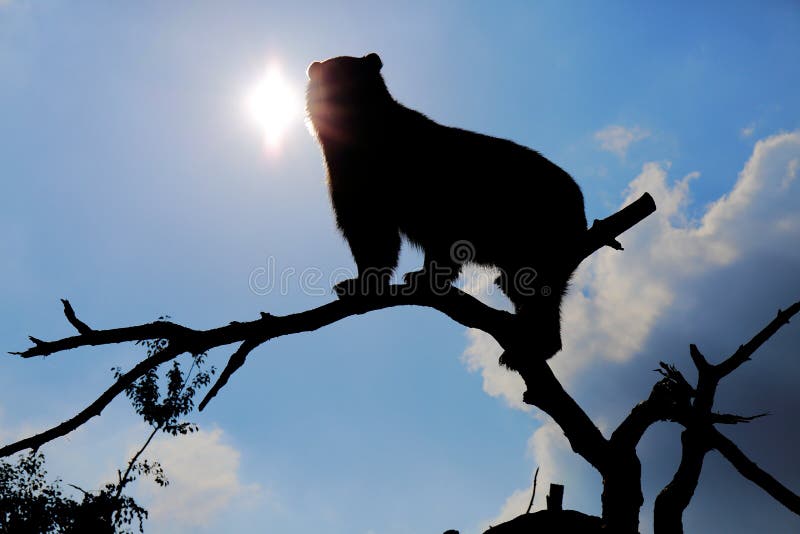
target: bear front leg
<point>537,302</point>
<point>436,276</point>
<point>376,250</point>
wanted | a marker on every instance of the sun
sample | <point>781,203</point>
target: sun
<point>274,105</point>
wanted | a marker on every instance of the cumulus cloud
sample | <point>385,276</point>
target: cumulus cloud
<point>618,139</point>
<point>557,465</point>
<point>619,299</point>
<point>516,504</point>
<point>204,481</point>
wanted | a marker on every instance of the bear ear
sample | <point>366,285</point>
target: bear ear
<point>374,61</point>
<point>313,70</point>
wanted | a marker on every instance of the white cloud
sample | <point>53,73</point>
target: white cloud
<point>747,131</point>
<point>516,504</point>
<point>482,354</point>
<point>204,481</point>
<point>618,299</point>
<point>618,139</point>
<point>557,465</point>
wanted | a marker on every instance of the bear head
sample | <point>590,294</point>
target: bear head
<point>344,93</point>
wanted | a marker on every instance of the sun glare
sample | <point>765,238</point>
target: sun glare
<point>274,105</point>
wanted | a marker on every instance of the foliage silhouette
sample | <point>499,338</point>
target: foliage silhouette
<point>30,504</point>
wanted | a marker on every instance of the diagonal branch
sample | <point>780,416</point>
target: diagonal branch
<point>96,407</point>
<point>236,360</point>
<point>605,231</point>
<point>744,352</point>
<point>546,393</point>
<point>748,469</point>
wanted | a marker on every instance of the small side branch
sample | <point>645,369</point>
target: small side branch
<point>604,232</point>
<point>733,419</point>
<point>533,491</point>
<point>236,360</point>
<point>745,351</point>
<point>79,325</point>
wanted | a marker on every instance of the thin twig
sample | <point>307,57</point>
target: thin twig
<point>236,360</point>
<point>744,352</point>
<point>533,492</point>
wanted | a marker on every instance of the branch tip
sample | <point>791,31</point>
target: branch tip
<point>698,358</point>
<point>79,325</point>
<point>733,419</point>
<point>236,360</point>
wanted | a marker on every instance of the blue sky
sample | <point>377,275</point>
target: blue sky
<point>134,184</point>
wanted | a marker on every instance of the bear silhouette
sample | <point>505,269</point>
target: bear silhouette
<point>459,196</point>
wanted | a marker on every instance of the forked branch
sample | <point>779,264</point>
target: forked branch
<point>701,436</point>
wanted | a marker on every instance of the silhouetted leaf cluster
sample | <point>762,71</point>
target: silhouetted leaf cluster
<point>31,504</point>
<point>164,411</point>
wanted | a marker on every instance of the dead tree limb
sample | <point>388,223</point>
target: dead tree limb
<point>752,472</point>
<point>700,436</point>
<point>456,304</point>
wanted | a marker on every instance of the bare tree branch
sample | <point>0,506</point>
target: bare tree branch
<point>604,232</point>
<point>95,408</point>
<point>236,360</point>
<point>546,393</point>
<point>745,351</point>
<point>124,479</point>
<point>733,419</point>
<point>79,325</point>
<point>748,469</point>
<point>700,435</point>
<point>698,358</point>
<point>675,497</point>
<point>533,491</point>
